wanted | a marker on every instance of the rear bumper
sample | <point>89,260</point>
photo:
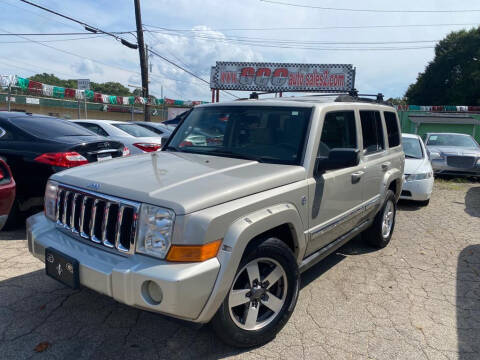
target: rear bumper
<point>185,287</point>
<point>418,190</point>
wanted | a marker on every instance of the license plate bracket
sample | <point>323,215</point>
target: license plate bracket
<point>62,268</point>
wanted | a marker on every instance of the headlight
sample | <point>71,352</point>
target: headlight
<point>50,200</point>
<point>421,176</point>
<point>435,156</point>
<point>478,162</point>
<point>155,230</point>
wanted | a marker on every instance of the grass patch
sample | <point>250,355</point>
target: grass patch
<point>457,184</point>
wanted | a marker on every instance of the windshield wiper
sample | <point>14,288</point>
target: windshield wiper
<point>411,157</point>
<point>233,154</point>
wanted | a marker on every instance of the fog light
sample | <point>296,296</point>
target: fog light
<point>152,293</point>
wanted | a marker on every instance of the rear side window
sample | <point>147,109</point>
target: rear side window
<point>393,132</point>
<point>151,128</point>
<point>372,131</point>
<point>94,128</point>
<point>338,132</point>
<point>49,127</point>
<point>135,130</point>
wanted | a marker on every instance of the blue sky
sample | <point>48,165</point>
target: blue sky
<point>104,59</point>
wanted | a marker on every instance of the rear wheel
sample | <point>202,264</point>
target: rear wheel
<point>380,232</point>
<point>262,297</point>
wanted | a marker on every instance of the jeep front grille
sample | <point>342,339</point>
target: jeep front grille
<point>103,220</point>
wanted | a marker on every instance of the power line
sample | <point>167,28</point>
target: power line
<point>292,44</point>
<point>62,34</point>
<point>84,24</point>
<point>367,10</point>
<point>206,35</point>
<point>186,70</point>
<point>57,40</point>
<point>162,77</point>
<point>316,28</point>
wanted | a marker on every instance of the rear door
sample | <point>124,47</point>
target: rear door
<point>373,154</point>
<point>336,195</point>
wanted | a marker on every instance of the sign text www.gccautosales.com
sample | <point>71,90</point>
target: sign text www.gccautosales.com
<point>282,77</point>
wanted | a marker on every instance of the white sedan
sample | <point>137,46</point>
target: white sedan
<point>418,183</point>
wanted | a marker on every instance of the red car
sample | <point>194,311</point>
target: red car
<point>7,192</point>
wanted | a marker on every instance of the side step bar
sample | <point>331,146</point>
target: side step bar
<point>322,253</point>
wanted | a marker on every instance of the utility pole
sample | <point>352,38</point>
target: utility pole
<point>143,58</point>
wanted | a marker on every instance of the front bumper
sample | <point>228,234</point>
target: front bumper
<point>417,190</point>
<point>440,166</point>
<point>185,287</point>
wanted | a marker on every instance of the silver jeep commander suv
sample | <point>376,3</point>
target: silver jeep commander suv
<point>219,230</point>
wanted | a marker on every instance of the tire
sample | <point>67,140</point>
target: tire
<point>376,234</point>
<point>15,218</point>
<point>424,203</point>
<point>275,261</point>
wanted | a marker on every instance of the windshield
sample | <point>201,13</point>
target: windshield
<point>412,148</point>
<point>44,127</point>
<point>451,140</point>
<point>135,130</point>
<point>262,133</point>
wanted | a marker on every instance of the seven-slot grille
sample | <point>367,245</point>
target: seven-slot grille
<point>101,219</point>
<point>464,162</point>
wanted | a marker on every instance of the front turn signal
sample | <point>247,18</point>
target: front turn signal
<point>193,253</point>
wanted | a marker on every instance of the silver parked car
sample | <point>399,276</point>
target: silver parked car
<point>220,231</point>
<point>136,138</point>
<point>453,154</point>
<point>164,131</point>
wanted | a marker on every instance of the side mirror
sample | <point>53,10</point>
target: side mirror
<point>338,159</point>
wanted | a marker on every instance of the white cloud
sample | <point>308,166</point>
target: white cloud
<point>87,67</point>
<point>389,72</point>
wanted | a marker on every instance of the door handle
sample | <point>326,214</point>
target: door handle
<point>386,165</point>
<point>356,176</point>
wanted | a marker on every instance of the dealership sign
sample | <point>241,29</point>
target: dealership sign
<point>282,77</point>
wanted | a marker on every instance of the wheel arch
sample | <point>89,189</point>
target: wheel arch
<point>245,233</point>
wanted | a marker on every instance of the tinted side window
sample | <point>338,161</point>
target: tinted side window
<point>338,132</point>
<point>372,131</point>
<point>392,129</point>
<point>94,128</point>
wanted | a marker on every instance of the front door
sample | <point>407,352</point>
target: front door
<point>336,195</point>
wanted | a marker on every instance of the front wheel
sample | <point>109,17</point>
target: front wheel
<point>261,298</point>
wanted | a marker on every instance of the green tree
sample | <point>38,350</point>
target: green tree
<point>110,88</point>
<point>453,77</point>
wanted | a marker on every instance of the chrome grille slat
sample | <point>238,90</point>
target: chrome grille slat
<point>118,228</point>
<point>73,211</point>
<point>65,209</point>
<point>82,217</point>
<point>93,222</point>
<point>106,216</point>
<point>101,220</point>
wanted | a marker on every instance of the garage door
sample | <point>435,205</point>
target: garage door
<point>453,128</point>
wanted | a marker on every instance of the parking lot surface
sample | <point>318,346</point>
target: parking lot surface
<point>419,298</point>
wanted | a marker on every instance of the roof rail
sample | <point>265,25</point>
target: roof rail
<point>354,96</point>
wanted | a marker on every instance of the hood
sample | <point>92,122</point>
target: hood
<point>180,181</point>
<point>415,166</point>
<point>455,150</point>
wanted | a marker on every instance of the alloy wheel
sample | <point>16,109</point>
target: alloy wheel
<point>258,294</point>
